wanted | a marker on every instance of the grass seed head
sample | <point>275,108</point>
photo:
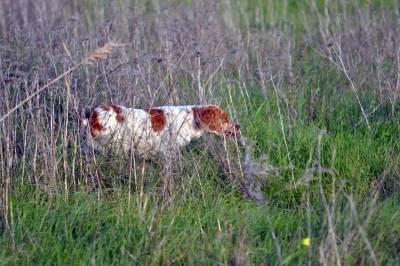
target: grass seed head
<point>102,52</point>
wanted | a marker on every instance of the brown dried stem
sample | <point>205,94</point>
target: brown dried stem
<point>98,54</point>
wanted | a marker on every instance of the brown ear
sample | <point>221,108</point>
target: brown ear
<point>207,118</point>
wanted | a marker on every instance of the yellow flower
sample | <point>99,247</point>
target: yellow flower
<point>306,242</point>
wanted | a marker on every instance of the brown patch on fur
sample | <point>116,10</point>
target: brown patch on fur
<point>118,110</point>
<point>210,117</point>
<point>157,118</point>
<point>94,123</point>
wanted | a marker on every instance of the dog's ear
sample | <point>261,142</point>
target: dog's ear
<point>208,118</point>
<point>203,116</point>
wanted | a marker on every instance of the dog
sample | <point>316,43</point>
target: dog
<point>156,130</point>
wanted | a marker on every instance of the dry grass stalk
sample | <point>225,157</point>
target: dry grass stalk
<point>248,173</point>
<point>97,55</point>
<point>2,213</point>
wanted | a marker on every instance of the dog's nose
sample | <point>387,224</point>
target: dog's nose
<point>237,127</point>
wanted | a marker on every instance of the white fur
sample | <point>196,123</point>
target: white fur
<point>136,133</point>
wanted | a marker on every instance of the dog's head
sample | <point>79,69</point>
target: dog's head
<point>214,120</point>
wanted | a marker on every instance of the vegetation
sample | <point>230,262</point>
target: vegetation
<point>314,84</point>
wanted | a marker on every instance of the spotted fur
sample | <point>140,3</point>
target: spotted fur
<point>153,130</point>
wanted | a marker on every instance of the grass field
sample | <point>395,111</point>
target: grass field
<point>314,84</point>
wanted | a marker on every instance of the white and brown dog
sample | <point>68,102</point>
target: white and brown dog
<point>156,130</point>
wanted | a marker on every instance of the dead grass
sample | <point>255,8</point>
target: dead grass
<point>229,53</point>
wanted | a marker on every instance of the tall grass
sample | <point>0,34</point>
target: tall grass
<point>314,84</point>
